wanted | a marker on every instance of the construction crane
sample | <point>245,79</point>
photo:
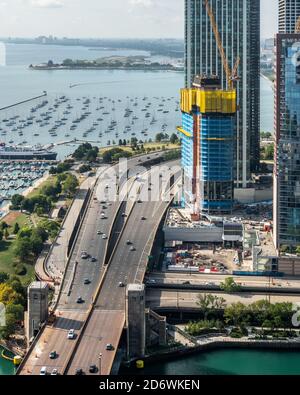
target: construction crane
<point>297,29</point>
<point>231,75</point>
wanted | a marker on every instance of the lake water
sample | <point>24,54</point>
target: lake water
<point>154,92</point>
<point>227,362</point>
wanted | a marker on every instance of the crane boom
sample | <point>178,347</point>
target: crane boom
<point>231,76</point>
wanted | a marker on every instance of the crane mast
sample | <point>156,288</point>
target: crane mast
<point>231,75</point>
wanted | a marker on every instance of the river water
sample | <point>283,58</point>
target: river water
<point>227,362</point>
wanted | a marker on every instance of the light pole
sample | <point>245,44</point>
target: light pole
<point>100,364</point>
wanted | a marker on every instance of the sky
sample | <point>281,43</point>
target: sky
<point>105,18</point>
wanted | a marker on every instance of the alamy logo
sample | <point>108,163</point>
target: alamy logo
<point>296,316</point>
<point>2,315</point>
<point>296,54</point>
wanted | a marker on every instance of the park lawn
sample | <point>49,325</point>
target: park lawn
<point>151,146</point>
<point>17,217</point>
<point>51,180</point>
<point>8,259</point>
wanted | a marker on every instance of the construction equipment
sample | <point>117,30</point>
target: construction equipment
<point>231,75</point>
<point>297,29</point>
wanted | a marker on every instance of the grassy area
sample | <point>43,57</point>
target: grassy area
<point>51,180</point>
<point>8,260</point>
<point>147,146</point>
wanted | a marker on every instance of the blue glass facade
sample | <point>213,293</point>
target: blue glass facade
<point>216,161</point>
<point>287,171</point>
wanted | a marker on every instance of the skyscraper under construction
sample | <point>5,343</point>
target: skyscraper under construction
<point>208,129</point>
<point>238,22</point>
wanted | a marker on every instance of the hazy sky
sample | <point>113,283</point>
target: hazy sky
<point>105,18</point>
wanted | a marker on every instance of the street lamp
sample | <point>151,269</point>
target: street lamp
<point>100,364</point>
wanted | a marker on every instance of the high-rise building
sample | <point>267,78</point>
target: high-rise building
<point>208,129</point>
<point>287,147</point>
<point>289,12</point>
<point>238,22</point>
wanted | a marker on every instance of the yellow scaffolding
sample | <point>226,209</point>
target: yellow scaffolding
<point>209,101</point>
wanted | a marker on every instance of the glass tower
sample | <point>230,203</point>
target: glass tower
<point>239,26</point>
<point>287,147</point>
<point>289,12</point>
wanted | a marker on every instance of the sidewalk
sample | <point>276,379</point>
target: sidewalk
<point>52,269</point>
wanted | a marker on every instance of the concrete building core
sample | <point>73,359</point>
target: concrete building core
<point>136,321</point>
<point>208,131</point>
<point>37,312</point>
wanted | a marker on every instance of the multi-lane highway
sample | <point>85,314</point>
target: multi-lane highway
<point>217,279</point>
<point>73,315</point>
<point>127,265</point>
<point>170,300</point>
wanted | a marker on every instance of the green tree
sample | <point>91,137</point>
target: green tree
<point>70,185</point>
<point>3,277</point>
<point>6,234</point>
<point>230,286</point>
<point>16,228</point>
<point>174,138</point>
<point>16,201</point>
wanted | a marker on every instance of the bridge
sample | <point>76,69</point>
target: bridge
<point>100,319</point>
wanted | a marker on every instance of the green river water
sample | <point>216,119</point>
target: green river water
<point>227,362</point>
<point>6,367</point>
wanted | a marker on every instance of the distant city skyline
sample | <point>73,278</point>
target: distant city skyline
<point>113,19</point>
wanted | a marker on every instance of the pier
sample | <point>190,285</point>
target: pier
<point>24,101</point>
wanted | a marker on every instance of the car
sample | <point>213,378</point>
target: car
<point>84,255</point>
<point>53,355</point>
<point>124,215</point>
<point>93,259</point>
<point>128,242</point>
<point>87,281</point>
<point>80,301</point>
<point>143,218</point>
<point>151,282</point>
<point>93,369</point>
<point>99,232</point>
<point>79,372</point>
<point>43,371</point>
<point>71,334</point>
<point>121,285</point>
<point>104,237</point>
<point>103,216</point>
<point>109,347</point>
<point>186,283</point>
<point>149,189</point>
<point>132,248</point>
<point>139,201</point>
<point>54,372</point>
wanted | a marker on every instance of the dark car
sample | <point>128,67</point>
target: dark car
<point>80,301</point>
<point>53,355</point>
<point>93,369</point>
<point>79,372</point>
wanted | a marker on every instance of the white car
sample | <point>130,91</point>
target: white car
<point>54,372</point>
<point>71,334</point>
<point>104,237</point>
<point>43,371</point>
